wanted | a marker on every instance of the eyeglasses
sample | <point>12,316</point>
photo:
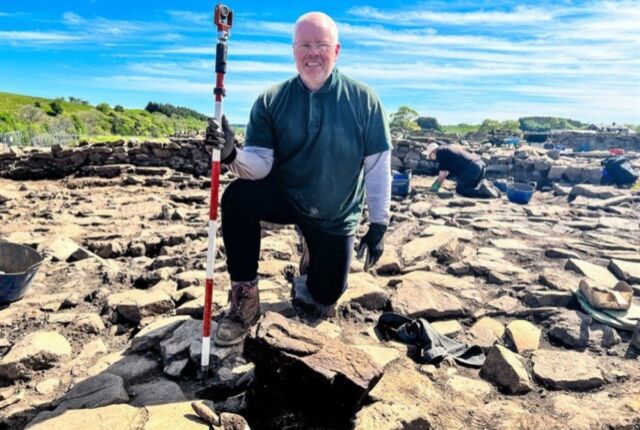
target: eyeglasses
<point>320,47</point>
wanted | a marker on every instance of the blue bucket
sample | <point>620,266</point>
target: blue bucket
<point>520,193</point>
<point>400,184</point>
<point>18,267</point>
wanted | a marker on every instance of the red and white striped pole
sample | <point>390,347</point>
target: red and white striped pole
<point>222,18</point>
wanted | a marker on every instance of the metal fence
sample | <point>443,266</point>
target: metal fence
<point>29,138</point>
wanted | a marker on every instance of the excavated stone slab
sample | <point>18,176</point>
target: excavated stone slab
<point>507,370</point>
<point>364,290</point>
<point>542,298</point>
<point>512,245</point>
<point>459,233</point>
<point>159,391</point>
<point>406,399</point>
<point>421,248</point>
<point>36,351</point>
<point>299,360</point>
<point>626,270</point>
<point>415,298</point>
<point>558,280</point>
<point>598,274</point>
<point>100,390</point>
<point>566,370</point>
<point>577,330</point>
<point>133,305</point>
<point>112,417</point>
<point>152,334</point>
<point>523,335</point>
<point>486,332</point>
<point>448,328</point>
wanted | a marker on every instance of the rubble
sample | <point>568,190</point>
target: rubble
<point>122,285</point>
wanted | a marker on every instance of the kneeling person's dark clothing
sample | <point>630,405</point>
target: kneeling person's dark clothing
<point>467,168</point>
<point>245,203</point>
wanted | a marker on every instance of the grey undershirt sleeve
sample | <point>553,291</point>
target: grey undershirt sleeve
<point>252,162</point>
<point>377,182</point>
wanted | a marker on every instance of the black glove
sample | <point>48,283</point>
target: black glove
<point>221,139</point>
<point>373,243</point>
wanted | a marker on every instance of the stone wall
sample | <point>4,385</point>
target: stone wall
<point>595,141</point>
<point>410,155</point>
<point>187,155</point>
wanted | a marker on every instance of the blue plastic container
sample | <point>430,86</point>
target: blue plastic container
<point>18,267</point>
<point>520,193</point>
<point>401,183</point>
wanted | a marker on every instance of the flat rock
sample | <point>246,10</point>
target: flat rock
<point>191,278</point>
<point>296,357</point>
<point>626,270</point>
<point>473,390</point>
<point>486,332</point>
<point>523,335</point>
<point>600,275</point>
<point>544,298</point>
<point>560,253</point>
<point>399,399</point>
<point>459,233</point>
<point>558,280</point>
<point>274,268</point>
<point>133,305</point>
<point>100,390</point>
<point>592,191</point>
<point>180,415</point>
<point>364,291</point>
<point>176,368</point>
<point>566,370</point>
<point>159,391</point>
<point>380,354</point>
<point>152,334</point>
<point>177,344</point>
<point>276,247</point>
<point>113,417</point>
<point>389,263</point>
<point>132,367</point>
<point>60,248</point>
<point>448,328</point>
<point>507,370</point>
<point>577,330</point>
<point>36,351</point>
<point>415,298</point>
<point>421,248</point>
<point>512,245</point>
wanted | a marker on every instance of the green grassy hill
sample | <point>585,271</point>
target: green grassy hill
<point>37,115</point>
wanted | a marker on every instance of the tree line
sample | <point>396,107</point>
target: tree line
<point>407,119</point>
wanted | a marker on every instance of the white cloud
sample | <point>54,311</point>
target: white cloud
<point>72,18</point>
<point>41,37</point>
<point>197,18</point>
<point>236,49</point>
<point>520,15</point>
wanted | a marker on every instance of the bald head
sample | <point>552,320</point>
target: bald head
<point>317,19</point>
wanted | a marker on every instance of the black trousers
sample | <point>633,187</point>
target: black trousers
<point>245,203</point>
<point>467,181</point>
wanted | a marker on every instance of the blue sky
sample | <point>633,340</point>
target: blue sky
<point>460,61</point>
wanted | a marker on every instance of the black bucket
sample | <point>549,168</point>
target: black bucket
<point>18,267</point>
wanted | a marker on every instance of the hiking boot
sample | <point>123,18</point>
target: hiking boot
<point>244,311</point>
<point>303,301</point>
